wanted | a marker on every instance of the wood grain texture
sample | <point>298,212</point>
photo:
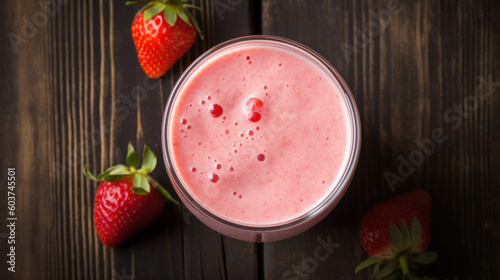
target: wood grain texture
<point>81,96</point>
<point>423,62</point>
<point>73,95</point>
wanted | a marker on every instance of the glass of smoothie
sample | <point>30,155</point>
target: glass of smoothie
<point>261,137</point>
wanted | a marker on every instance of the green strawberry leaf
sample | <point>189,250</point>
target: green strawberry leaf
<point>128,3</point>
<point>162,190</point>
<point>113,178</point>
<point>183,15</point>
<point>141,184</point>
<point>376,269</point>
<point>118,173</point>
<point>416,231</point>
<point>195,23</point>
<point>132,157</point>
<point>388,270</point>
<point>120,170</point>
<point>406,234</point>
<point>368,262</point>
<point>147,6</point>
<point>148,160</point>
<point>396,237</point>
<point>89,175</point>
<point>106,174</point>
<point>426,258</point>
<point>154,10</point>
<point>171,15</point>
<point>191,6</point>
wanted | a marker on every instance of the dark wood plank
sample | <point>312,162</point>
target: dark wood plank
<point>428,58</point>
<point>74,96</point>
<point>27,106</point>
<point>28,143</point>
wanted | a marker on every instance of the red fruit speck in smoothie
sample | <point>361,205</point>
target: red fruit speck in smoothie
<point>215,110</point>
<point>254,117</point>
<point>252,109</point>
<point>213,177</point>
<point>253,104</point>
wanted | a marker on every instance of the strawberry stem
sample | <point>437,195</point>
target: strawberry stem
<point>162,190</point>
<point>403,262</point>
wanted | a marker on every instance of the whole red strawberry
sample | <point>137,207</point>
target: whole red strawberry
<point>393,247</point>
<point>163,31</point>
<point>127,199</point>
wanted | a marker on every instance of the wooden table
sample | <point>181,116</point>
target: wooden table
<point>71,84</point>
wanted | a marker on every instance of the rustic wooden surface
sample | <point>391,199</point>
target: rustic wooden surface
<point>73,94</point>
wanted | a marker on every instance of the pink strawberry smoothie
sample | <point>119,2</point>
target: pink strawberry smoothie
<point>259,135</point>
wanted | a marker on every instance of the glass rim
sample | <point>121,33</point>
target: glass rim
<point>338,189</point>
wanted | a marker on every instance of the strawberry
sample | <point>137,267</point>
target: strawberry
<point>394,248</point>
<point>163,31</point>
<point>127,199</point>
<point>252,108</point>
